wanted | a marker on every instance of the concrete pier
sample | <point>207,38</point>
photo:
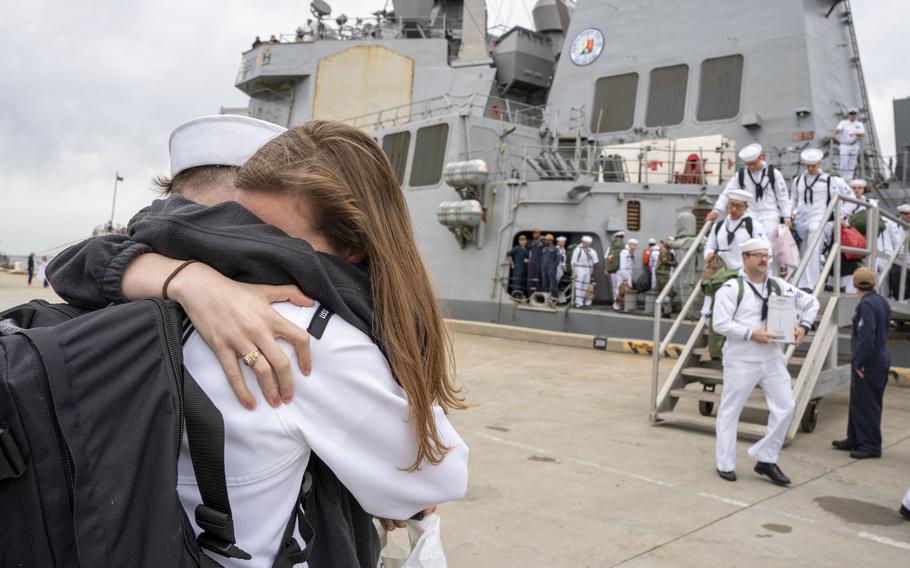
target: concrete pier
<point>567,471</point>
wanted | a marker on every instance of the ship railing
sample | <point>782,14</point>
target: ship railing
<point>486,106</point>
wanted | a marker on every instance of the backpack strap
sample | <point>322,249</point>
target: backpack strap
<point>775,287</point>
<point>828,201</point>
<point>740,292</point>
<point>748,223</point>
<point>741,176</point>
<point>205,435</point>
<point>290,553</point>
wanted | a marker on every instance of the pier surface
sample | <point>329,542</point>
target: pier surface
<point>566,471</point>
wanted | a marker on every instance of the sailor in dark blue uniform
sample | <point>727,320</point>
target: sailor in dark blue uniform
<point>518,262</point>
<point>869,373</point>
<point>535,256</point>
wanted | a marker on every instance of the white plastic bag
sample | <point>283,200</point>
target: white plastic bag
<point>424,548</point>
<point>784,246</point>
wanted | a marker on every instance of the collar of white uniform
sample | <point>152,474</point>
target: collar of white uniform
<point>745,277</point>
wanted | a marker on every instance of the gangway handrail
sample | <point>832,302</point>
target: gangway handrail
<point>658,348</point>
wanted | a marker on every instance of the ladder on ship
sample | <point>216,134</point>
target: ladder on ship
<point>691,391</point>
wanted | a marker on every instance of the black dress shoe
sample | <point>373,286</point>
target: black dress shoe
<point>728,475</point>
<point>773,472</point>
<point>905,512</point>
<point>863,454</point>
<point>846,444</point>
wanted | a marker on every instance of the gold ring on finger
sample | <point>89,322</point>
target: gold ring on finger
<point>250,358</point>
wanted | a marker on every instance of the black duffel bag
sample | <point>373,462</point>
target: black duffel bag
<point>92,411</point>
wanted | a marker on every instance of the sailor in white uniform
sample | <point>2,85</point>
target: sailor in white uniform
<point>349,410</point>
<point>583,260</point>
<point>770,199</point>
<point>750,358</point>
<point>812,192</point>
<point>627,262</point>
<point>849,134</point>
<point>725,237</point>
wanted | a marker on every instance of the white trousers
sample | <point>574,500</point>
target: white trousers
<point>813,269</point>
<point>582,279</point>
<point>740,379</point>
<point>847,161</point>
<point>846,283</point>
<point>906,501</point>
<point>615,281</point>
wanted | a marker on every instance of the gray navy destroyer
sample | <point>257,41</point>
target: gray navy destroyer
<point>607,116</point>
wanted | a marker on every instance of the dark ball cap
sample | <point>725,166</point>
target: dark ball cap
<point>864,279</point>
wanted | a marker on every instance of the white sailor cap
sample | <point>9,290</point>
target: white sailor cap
<point>755,244</point>
<point>811,156</point>
<point>852,110</point>
<point>587,239</point>
<point>750,153</point>
<point>857,183</point>
<point>632,241</point>
<point>561,238</point>
<point>903,208</point>
<point>218,140</point>
<point>619,235</point>
<point>652,241</point>
<point>739,195</point>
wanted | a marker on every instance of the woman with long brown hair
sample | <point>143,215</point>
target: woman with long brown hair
<point>372,403</point>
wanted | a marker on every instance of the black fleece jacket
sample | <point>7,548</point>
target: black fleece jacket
<point>240,246</point>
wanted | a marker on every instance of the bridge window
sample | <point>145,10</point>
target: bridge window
<point>614,103</point>
<point>429,155</point>
<point>667,95</point>
<point>395,147</point>
<point>720,87</point>
<point>633,216</point>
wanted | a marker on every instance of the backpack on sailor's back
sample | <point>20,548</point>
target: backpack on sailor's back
<point>93,407</point>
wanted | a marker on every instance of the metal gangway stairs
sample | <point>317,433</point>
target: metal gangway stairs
<point>692,389</point>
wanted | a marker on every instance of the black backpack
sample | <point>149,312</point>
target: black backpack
<point>92,413</point>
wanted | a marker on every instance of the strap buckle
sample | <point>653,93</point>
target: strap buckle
<point>218,533</point>
<point>12,464</point>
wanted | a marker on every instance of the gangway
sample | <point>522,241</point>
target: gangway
<point>692,389</point>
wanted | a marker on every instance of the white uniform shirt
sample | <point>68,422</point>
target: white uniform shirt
<point>719,241</point>
<point>626,264</point>
<point>775,201</point>
<point>848,131</point>
<point>849,209</point>
<point>737,323</point>
<point>811,196</point>
<point>349,410</point>
<point>584,257</point>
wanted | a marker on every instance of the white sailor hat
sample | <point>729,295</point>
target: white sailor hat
<point>811,156</point>
<point>903,208</point>
<point>587,239</point>
<point>750,153</point>
<point>739,195</point>
<point>852,110</point>
<point>218,140</point>
<point>632,241</point>
<point>561,238</point>
<point>857,183</point>
<point>755,244</point>
<point>652,241</point>
<point>619,235</point>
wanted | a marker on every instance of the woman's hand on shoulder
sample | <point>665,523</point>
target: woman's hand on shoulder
<point>236,319</point>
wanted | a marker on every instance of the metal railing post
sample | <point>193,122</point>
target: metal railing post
<point>837,258</point>
<point>701,165</point>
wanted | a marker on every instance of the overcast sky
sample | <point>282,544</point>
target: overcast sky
<point>96,86</point>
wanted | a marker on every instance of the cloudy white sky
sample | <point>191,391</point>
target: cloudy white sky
<point>95,86</point>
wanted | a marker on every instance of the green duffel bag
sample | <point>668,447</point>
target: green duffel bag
<point>858,222</point>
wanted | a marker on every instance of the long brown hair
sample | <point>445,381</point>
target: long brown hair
<point>350,188</point>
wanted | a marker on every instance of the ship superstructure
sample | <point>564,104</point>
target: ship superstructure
<point>607,116</point>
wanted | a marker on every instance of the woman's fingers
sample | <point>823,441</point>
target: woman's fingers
<point>265,378</point>
<point>280,366</point>
<point>228,360</point>
<point>288,293</point>
<point>300,339</point>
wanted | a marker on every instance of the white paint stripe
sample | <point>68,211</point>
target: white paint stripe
<point>725,500</point>
<point>884,540</point>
